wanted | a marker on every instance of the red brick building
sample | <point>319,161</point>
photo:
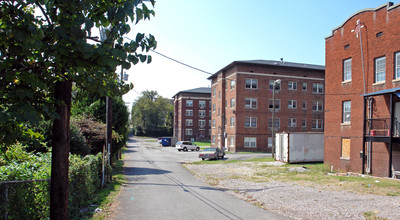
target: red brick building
<point>362,105</point>
<point>241,95</point>
<point>192,114</point>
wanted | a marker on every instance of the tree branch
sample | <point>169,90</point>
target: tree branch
<point>44,13</point>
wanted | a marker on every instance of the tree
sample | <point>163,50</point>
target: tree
<point>152,115</point>
<point>42,56</point>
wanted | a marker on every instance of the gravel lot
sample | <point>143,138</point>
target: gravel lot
<point>296,201</point>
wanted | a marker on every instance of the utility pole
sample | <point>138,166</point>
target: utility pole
<point>278,81</point>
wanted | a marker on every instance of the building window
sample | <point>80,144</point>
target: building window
<point>189,112</point>
<point>304,86</point>
<point>277,123</point>
<point>213,123</point>
<point>347,70</point>
<point>213,139</point>
<point>250,103</point>
<point>214,92</point>
<point>316,124</point>
<point>209,113</point>
<point>214,107</point>
<point>219,95</point>
<point>202,104</point>
<point>345,154</point>
<point>346,112</point>
<point>188,131</point>
<point>202,113</point>
<point>380,69</point>
<point>277,86</point>
<point>232,102</point>
<point>303,123</point>
<point>219,112</point>
<point>292,122</point>
<point>250,122</point>
<point>189,103</point>
<point>202,123</point>
<point>277,104</point>
<point>232,141</point>
<point>233,84</point>
<point>397,65</point>
<point>251,84</point>
<point>317,106</point>
<point>209,123</point>
<point>189,122</point>
<point>232,122</point>
<point>317,88</point>
<point>292,104</point>
<point>292,85</point>
<point>304,105</point>
<point>250,142</point>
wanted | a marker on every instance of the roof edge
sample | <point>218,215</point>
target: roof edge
<point>389,6</point>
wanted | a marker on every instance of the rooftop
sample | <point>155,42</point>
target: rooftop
<point>201,90</point>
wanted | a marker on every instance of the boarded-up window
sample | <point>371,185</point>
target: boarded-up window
<point>345,148</point>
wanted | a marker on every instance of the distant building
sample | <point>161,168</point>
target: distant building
<point>242,102</point>
<point>192,114</point>
<point>362,107</point>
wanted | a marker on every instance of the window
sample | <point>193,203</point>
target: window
<point>304,86</point>
<point>189,103</point>
<point>219,112</point>
<point>303,123</point>
<point>292,104</point>
<point>277,123</point>
<point>213,139</point>
<point>317,88</point>
<point>209,123</point>
<point>213,123</point>
<point>292,85</point>
<point>250,142</point>
<point>380,69</point>
<point>214,107</point>
<point>277,86</point>
<point>397,65</point>
<point>347,70</point>
<point>232,122</point>
<point>346,112</point>
<point>316,124</point>
<point>209,113</point>
<point>188,131</point>
<point>189,122</point>
<point>202,104</point>
<point>345,154</point>
<point>277,104</point>
<point>202,113</point>
<point>250,122</point>
<point>202,123</point>
<point>292,122</point>
<point>304,105</point>
<point>214,91</point>
<point>251,84</point>
<point>250,103</point>
<point>232,102</point>
<point>219,95</point>
<point>189,112</point>
<point>233,84</point>
<point>317,106</point>
<point>232,141</point>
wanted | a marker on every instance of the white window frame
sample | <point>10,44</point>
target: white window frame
<point>233,84</point>
<point>277,101</point>
<point>277,123</point>
<point>214,107</point>
<point>303,123</point>
<point>214,92</point>
<point>202,104</point>
<point>271,85</point>
<point>346,117</point>
<point>304,105</point>
<point>188,131</point>
<point>232,121</point>
<point>251,102</point>
<point>253,83</point>
<point>202,113</point>
<point>347,70</point>
<point>292,104</point>
<point>189,103</point>
<point>213,123</point>
<point>232,141</point>
<point>380,69</point>
<point>250,122</point>
<point>304,86</point>
<point>397,65</point>
<point>292,85</point>
<point>317,106</point>
<point>317,124</point>
<point>202,123</point>
<point>189,112</point>
<point>292,122</point>
<point>233,103</point>
<point>318,88</point>
<point>189,122</point>
<point>250,142</point>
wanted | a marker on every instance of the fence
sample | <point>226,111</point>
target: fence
<point>19,199</point>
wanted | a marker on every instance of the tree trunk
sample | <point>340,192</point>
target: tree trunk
<point>60,152</point>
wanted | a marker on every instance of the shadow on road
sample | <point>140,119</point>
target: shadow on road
<point>136,171</point>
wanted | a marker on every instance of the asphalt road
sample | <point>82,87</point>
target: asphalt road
<point>158,187</point>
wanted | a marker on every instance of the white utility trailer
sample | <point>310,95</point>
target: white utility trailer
<point>299,147</point>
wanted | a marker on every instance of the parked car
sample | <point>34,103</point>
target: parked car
<point>212,153</point>
<point>186,145</point>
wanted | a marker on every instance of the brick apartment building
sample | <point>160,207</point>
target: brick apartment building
<point>362,105</point>
<point>192,114</point>
<point>242,102</point>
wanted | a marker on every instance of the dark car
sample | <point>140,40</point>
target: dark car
<point>211,153</point>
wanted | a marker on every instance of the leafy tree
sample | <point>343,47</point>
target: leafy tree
<point>151,115</point>
<point>42,56</point>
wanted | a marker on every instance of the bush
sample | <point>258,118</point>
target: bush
<point>78,141</point>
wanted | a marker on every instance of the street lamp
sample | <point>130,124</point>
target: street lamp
<point>274,84</point>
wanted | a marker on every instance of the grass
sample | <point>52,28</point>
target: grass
<point>372,216</point>
<point>202,144</point>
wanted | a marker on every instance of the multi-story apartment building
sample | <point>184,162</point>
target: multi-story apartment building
<point>192,114</point>
<point>362,104</point>
<point>242,102</point>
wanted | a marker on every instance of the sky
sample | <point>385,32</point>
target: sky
<point>211,34</point>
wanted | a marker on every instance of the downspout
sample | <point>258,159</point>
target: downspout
<point>364,127</point>
<point>390,135</point>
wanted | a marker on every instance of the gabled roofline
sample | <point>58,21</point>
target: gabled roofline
<point>389,6</point>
